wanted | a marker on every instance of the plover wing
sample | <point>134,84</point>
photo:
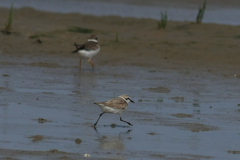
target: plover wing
<point>87,46</point>
<point>117,103</point>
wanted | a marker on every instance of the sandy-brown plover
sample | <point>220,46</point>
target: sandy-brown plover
<point>114,106</point>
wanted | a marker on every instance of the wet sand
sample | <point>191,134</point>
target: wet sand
<point>184,80</point>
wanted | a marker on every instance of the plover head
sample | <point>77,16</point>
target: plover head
<point>126,98</point>
<point>93,38</point>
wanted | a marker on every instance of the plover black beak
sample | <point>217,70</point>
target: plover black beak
<point>131,100</point>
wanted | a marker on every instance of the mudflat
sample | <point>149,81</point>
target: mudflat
<point>184,80</point>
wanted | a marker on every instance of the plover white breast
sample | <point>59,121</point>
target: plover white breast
<point>88,50</point>
<point>115,106</point>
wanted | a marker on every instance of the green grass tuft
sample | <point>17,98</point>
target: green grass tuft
<point>8,26</point>
<point>38,35</point>
<point>34,36</point>
<point>237,37</point>
<point>163,22</point>
<point>169,43</point>
<point>201,13</point>
<point>80,30</point>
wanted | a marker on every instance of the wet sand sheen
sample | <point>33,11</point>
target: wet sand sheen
<point>182,79</point>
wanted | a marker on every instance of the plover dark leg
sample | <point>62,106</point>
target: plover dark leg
<point>125,121</point>
<point>98,119</point>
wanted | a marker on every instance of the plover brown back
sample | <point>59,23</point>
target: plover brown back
<point>88,50</point>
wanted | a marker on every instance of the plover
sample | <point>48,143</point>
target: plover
<point>115,106</point>
<point>88,50</point>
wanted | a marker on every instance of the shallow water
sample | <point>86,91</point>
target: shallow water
<point>64,97</point>
<point>176,12</point>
